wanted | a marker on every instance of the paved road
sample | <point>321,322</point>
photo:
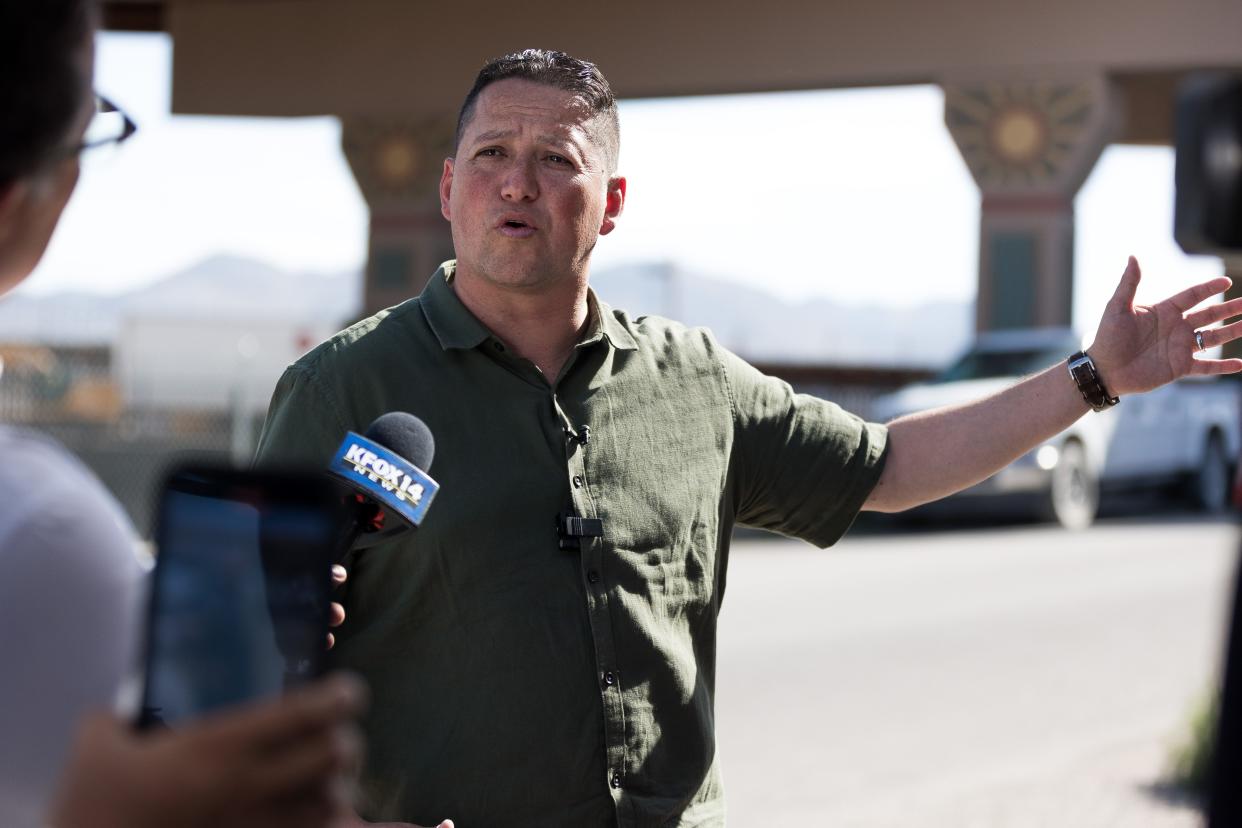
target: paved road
<point>1000,678</point>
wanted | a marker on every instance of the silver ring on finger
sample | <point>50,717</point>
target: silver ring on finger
<point>1199,340</point>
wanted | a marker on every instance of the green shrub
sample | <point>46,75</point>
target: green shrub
<point>1192,760</point>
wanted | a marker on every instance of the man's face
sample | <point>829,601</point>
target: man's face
<point>29,212</point>
<point>529,193</point>
<point>30,208</point>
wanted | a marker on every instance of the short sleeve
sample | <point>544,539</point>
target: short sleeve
<point>803,466</point>
<point>303,424</point>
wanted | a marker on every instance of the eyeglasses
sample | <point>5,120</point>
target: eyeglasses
<point>109,126</point>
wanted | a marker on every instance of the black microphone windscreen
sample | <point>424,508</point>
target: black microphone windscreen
<point>406,435</point>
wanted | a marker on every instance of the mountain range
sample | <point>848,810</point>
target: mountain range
<point>765,328</point>
<point>753,322</point>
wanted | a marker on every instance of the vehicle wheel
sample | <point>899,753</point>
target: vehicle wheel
<point>1074,494</point>
<point>1211,480</point>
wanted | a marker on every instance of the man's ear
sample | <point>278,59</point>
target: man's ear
<point>446,188</point>
<point>614,204</point>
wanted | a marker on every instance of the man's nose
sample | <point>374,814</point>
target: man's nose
<point>521,183</point>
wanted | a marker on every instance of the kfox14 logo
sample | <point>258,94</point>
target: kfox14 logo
<point>385,476</point>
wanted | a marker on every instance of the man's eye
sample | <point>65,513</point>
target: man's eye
<point>489,152</point>
<point>558,159</point>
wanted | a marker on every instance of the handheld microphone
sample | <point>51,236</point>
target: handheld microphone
<point>389,490</point>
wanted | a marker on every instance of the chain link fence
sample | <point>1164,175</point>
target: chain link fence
<point>69,394</point>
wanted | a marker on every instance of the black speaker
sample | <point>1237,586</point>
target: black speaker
<point>1207,215</point>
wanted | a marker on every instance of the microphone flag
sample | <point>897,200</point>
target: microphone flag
<point>384,476</point>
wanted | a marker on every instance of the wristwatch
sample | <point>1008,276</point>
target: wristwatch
<point>1082,369</point>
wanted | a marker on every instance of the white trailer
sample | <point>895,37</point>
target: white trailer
<point>208,364</point>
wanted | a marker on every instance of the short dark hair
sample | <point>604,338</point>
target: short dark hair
<point>552,68</point>
<point>43,80</point>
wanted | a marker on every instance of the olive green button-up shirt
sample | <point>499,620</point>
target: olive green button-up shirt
<point>518,683</point>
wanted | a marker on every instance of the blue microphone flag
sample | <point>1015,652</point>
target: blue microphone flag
<point>384,476</point>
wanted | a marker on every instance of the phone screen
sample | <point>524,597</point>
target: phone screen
<point>240,590</point>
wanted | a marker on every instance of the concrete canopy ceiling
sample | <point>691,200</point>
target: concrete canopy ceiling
<point>415,59</point>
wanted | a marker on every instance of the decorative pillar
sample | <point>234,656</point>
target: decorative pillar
<point>397,164</point>
<point>1029,143</point>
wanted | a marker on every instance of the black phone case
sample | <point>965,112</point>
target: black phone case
<point>295,558</point>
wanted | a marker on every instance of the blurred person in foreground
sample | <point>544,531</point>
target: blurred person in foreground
<point>523,677</point>
<point>70,582</point>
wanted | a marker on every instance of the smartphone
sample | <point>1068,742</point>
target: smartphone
<point>240,590</point>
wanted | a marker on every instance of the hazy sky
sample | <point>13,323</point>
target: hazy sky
<point>857,195</point>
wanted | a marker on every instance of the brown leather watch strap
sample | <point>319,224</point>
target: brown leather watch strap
<point>1087,378</point>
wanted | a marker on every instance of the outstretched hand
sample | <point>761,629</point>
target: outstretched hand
<point>1141,347</point>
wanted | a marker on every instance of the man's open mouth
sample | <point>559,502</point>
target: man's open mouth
<point>516,228</point>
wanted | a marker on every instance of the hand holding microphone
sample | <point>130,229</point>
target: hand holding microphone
<point>384,472</point>
<point>388,490</point>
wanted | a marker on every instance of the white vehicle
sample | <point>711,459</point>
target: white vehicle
<point>1184,434</point>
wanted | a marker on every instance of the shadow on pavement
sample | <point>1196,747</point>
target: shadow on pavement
<point>1173,795</point>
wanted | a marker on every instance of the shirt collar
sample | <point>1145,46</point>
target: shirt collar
<point>604,325</point>
<point>457,328</point>
<point>450,321</point>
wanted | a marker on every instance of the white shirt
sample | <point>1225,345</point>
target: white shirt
<point>70,585</point>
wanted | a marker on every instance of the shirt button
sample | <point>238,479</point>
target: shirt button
<point>616,780</point>
<point>593,576</point>
<point>577,481</point>
<point>610,679</point>
<point>498,346</point>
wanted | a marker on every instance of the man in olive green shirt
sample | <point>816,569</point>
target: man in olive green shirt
<point>521,678</point>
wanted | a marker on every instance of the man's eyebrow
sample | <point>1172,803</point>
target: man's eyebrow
<point>494,135</point>
<point>564,141</point>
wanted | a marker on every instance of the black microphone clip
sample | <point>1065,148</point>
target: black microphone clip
<point>571,529</point>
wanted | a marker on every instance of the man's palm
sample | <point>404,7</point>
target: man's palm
<point>1141,347</point>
